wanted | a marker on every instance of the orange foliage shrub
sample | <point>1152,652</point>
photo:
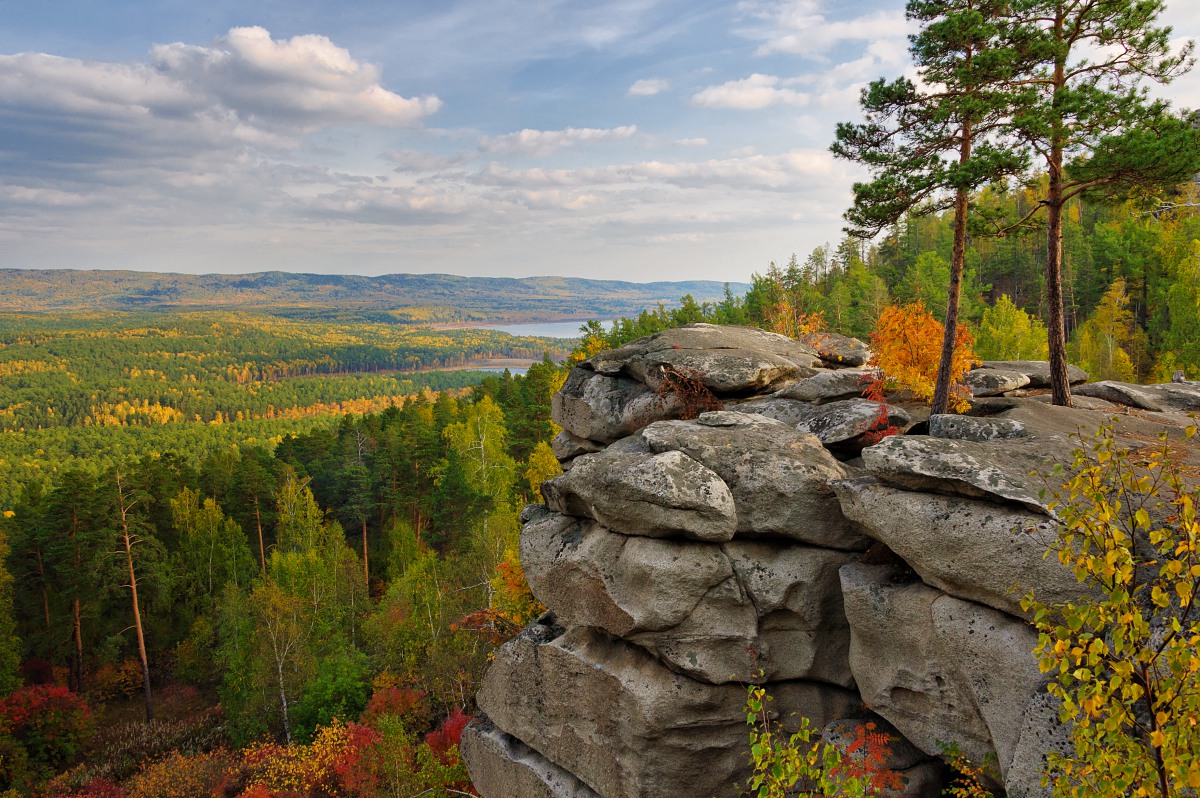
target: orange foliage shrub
<point>907,348</point>
<point>511,606</point>
<point>865,758</point>
<point>181,776</point>
<point>111,682</point>
<point>407,703</point>
<point>786,318</point>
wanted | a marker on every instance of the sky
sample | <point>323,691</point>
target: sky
<point>616,139</point>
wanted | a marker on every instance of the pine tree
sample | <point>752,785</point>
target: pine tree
<point>1090,119</point>
<point>966,71</point>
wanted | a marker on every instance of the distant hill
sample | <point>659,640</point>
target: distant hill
<point>403,298</point>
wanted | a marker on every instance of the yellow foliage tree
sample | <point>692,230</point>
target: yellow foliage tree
<point>907,348</point>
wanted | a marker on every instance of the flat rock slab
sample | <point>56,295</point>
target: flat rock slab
<point>972,549</point>
<point>827,386</point>
<point>1038,371</point>
<point>744,611</point>
<point>1164,398</point>
<point>990,469</point>
<point>838,423</point>
<point>970,428</point>
<point>661,495</point>
<point>607,712</point>
<point>993,382</point>
<point>603,408</point>
<point>778,476</point>
<point>501,766</point>
<point>728,360</point>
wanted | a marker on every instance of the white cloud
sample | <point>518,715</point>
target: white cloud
<point>695,141</point>
<point>749,94</point>
<point>786,171</point>
<point>248,91</point>
<point>801,27</point>
<point>306,80</point>
<point>648,87</point>
<point>544,142</point>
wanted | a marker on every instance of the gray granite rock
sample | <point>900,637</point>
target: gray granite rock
<point>828,386</point>
<point>744,612</point>
<point>661,495</point>
<point>993,382</point>
<point>501,766</point>
<point>997,470</point>
<point>838,350</point>
<point>970,428</point>
<point>728,360</point>
<point>1168,397</point>
<point>901,668</point>
<point>972,549</point>
<point>603,408</point>
<point>778,476</point>
<point>1038,371</point>
<point>607,712</point>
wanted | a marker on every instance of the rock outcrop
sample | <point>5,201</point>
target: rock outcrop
<point>683,557</point>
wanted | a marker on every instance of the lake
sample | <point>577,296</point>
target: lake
<point>546,329</point>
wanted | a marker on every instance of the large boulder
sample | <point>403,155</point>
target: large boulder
<point>1038,371</point>
<point>661,495</point>
<point>501,766</point>
<point>996,470</point>
<point>900,667</point>
<point>971,549</point>
<point>590,576</point>
<point>728,360</point>
<point>745,611</point>
<point>603,408</point>
<point>567,446</point>
<point>797,628</point>
<point>606,711</point>
<point>778,476</point>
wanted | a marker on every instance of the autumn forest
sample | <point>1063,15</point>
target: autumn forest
<point>251,553</point>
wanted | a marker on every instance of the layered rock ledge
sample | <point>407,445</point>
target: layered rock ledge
<point>769,542</point>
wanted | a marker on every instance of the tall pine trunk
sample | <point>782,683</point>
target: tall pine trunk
<point>262,552</point>
<point>127,540</point>
<point>366,564</point>
<point>958,258</point>
<point>1060,384</point>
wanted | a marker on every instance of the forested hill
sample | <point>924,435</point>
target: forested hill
<point>402,297</point>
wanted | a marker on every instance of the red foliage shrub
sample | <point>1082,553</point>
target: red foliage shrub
<point>51,724</point>
<point>408,703</point>
<point>447,737</point>
<point>354,766</point>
